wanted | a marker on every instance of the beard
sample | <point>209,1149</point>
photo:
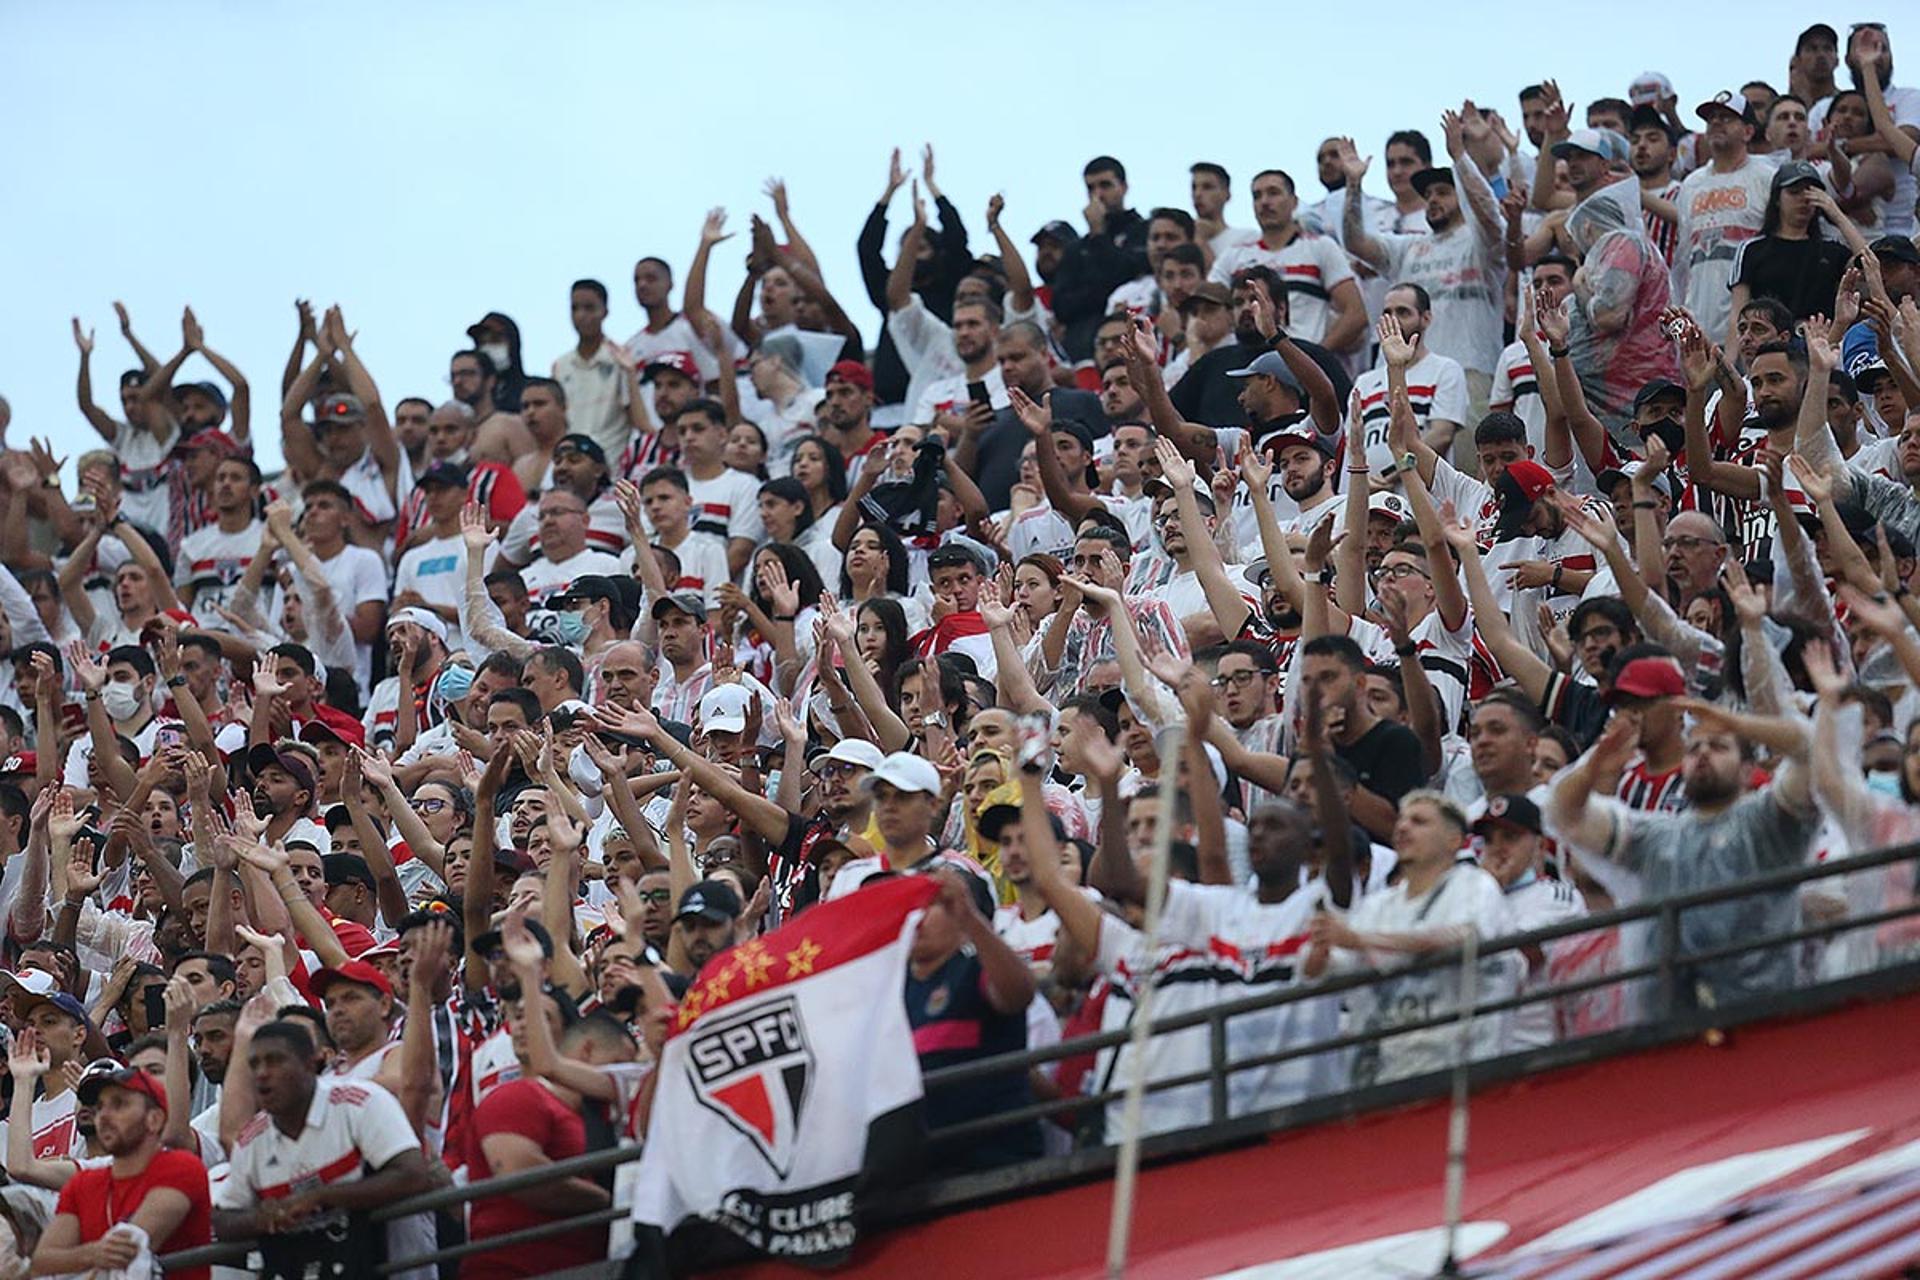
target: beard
<point>1282,616</point>
<point>263,804</point>
<point>1708,787</point>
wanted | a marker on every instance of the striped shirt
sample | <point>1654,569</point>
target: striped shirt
<point>1436,388</point>
<point>1649,792</point>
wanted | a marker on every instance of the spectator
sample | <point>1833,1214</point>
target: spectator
<point>1112,252</point>
<point>1722,206</point>
<point>146,1203</point>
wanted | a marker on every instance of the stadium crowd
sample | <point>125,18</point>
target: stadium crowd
<point>1534,538</point>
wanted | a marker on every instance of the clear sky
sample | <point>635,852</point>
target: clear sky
<point>422,163</point>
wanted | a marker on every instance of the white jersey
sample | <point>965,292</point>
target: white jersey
<point>597,396</point>
<point>1534,903</point>
<point>1032,940</point>
<point>1436,389</point>
<point>1312,266</point>
<point>545,578</point>
<point>1719,212</point>
<point>357,576</point>
<point>351,1127</point>
<point>703,565</point>
<point>727,506</point>
<point>211,563</point>
<point>1221,944</point>
<point>1466,897</point>
<point>1464,273</point>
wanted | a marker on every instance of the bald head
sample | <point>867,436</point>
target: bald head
<point>1693,524</point>
<point>1696,550</point>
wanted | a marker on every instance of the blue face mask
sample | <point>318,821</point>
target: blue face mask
<point>455,682</point>
<point>1884,782</point>
<point>570,627</point>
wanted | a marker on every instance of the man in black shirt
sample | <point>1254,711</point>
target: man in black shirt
<point>1384,754</point>
<point>1113,251</point>
<point>944,260</point>
<point>991,454</point>
<point>1208,394</point>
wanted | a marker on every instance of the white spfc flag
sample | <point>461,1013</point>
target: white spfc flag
<point>791,1060</point>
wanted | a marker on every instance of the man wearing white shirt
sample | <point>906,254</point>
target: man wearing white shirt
<point>1722,205</point>
<point>356,575</point>
<point>974,327</point>
<point>1873,78</point>
<point>602,396</point>
<point>1460,265</point>
<point>667,329</point>
<point>726,503</point>
<point>1436,385</point>
<point>564,554</point>
<point>1211,187</point>
<point>1323,300</point>
<point>702,556</point>
<point>433,573</point>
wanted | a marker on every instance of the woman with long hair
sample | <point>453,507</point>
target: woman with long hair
<point>1790,259</point>
<point>1862,184</point>
<point>786,511</point>
<point>746,449</point>
<point>876,565</point>
<point>777,637</point>
<point>817,464</point>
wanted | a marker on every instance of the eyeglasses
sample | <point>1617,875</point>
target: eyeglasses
<point>1234,679</point>
<point>1685,542</point>
<point>429,805</point>
<point>1398,571</point>
<point>656,897</point>
<point>836,769</point>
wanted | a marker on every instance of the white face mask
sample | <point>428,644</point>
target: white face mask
<point>499,354</point>
<point>122,699</point>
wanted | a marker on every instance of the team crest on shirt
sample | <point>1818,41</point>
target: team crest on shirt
<point>753,1069</point>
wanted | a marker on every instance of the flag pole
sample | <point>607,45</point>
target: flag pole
<point>1126,1173</point>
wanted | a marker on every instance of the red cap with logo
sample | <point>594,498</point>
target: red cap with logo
<point>1648,678</point>
<point>854,372</point>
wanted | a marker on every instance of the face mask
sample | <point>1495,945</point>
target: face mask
<point>1884,782</point>
<point>570,628</point>
<point>122,699</point>
<point>498,353</point>
<point>1672,433</point>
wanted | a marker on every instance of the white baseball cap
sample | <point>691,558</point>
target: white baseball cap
<point>854,751</point>
<point>723,708</point>
<point>904,771</point>
<point>426,619</point>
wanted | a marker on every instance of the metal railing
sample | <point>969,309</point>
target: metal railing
<point>1666,1019</point>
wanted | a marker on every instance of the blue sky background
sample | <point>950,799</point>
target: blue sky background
<point>423,163</point>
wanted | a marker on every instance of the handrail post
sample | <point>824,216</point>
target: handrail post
<point>1668,991</point>
<point>1217,1068</point>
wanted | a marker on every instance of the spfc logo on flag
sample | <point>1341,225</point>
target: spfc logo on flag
<point>753,1069</point>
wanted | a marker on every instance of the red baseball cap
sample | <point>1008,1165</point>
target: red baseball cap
<point>681,362</point>
<point>211,438</point>
<point>132,1079</point>
<point>358,971</point>
<point>1522,484</point>
<point>1648,678</point>
<point>852,371</point>
<point>20,762</point>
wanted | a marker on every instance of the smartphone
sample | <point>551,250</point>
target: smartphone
<point>978,393</point>
<point>168,736</point>
<point>155,997</point>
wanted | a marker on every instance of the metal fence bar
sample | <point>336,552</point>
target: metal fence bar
<point>526,1235</point>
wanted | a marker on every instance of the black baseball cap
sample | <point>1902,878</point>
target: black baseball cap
<point>1645,117</point>
<point>1056,230</point>
<point>1896,248</point>
<point>347,868</point>
<point>1654,388</point>
<point>1433,177</point>
<point>711,900</point>
<point>451,474</point>
<point>1514,810</point>
<point>581,444</point>
<point>489,941</point>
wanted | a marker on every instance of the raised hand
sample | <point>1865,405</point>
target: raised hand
<point>992,611</point>
<point>1658,459</point>
<point>1817,658</point>
<point>27,1058</point>
<point>1174,467</point>
<point>1398,351</point>
<point>1256,470</point>
<point>308,331</point>
<point>266,683</point>
<point>1748,604</point>
<point>1596,526</point>
<point>781,591</point>
<point>919,207</point>
<point>62,822</point>
<point>896,176</point>
<point>1036,418</point>
<point>474,530</point>
<point>776,191</point>
<point>1816,482</point>
<point>84,341</point>
<point>714,229</point>
<point>246,823</point>
<point>88,667</point>
<point>120,314</point>
<point>1352,164</point>
<point>995,204</point>
<point>626,496</point>
<point>1320,544</point>
<point>190,335</point>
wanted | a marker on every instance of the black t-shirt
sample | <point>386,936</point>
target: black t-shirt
<point>1802,274</point>
<point>996,467</point>
<point>1206,394</point>
<point>1387,760</point>
<point>953,1022</point>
